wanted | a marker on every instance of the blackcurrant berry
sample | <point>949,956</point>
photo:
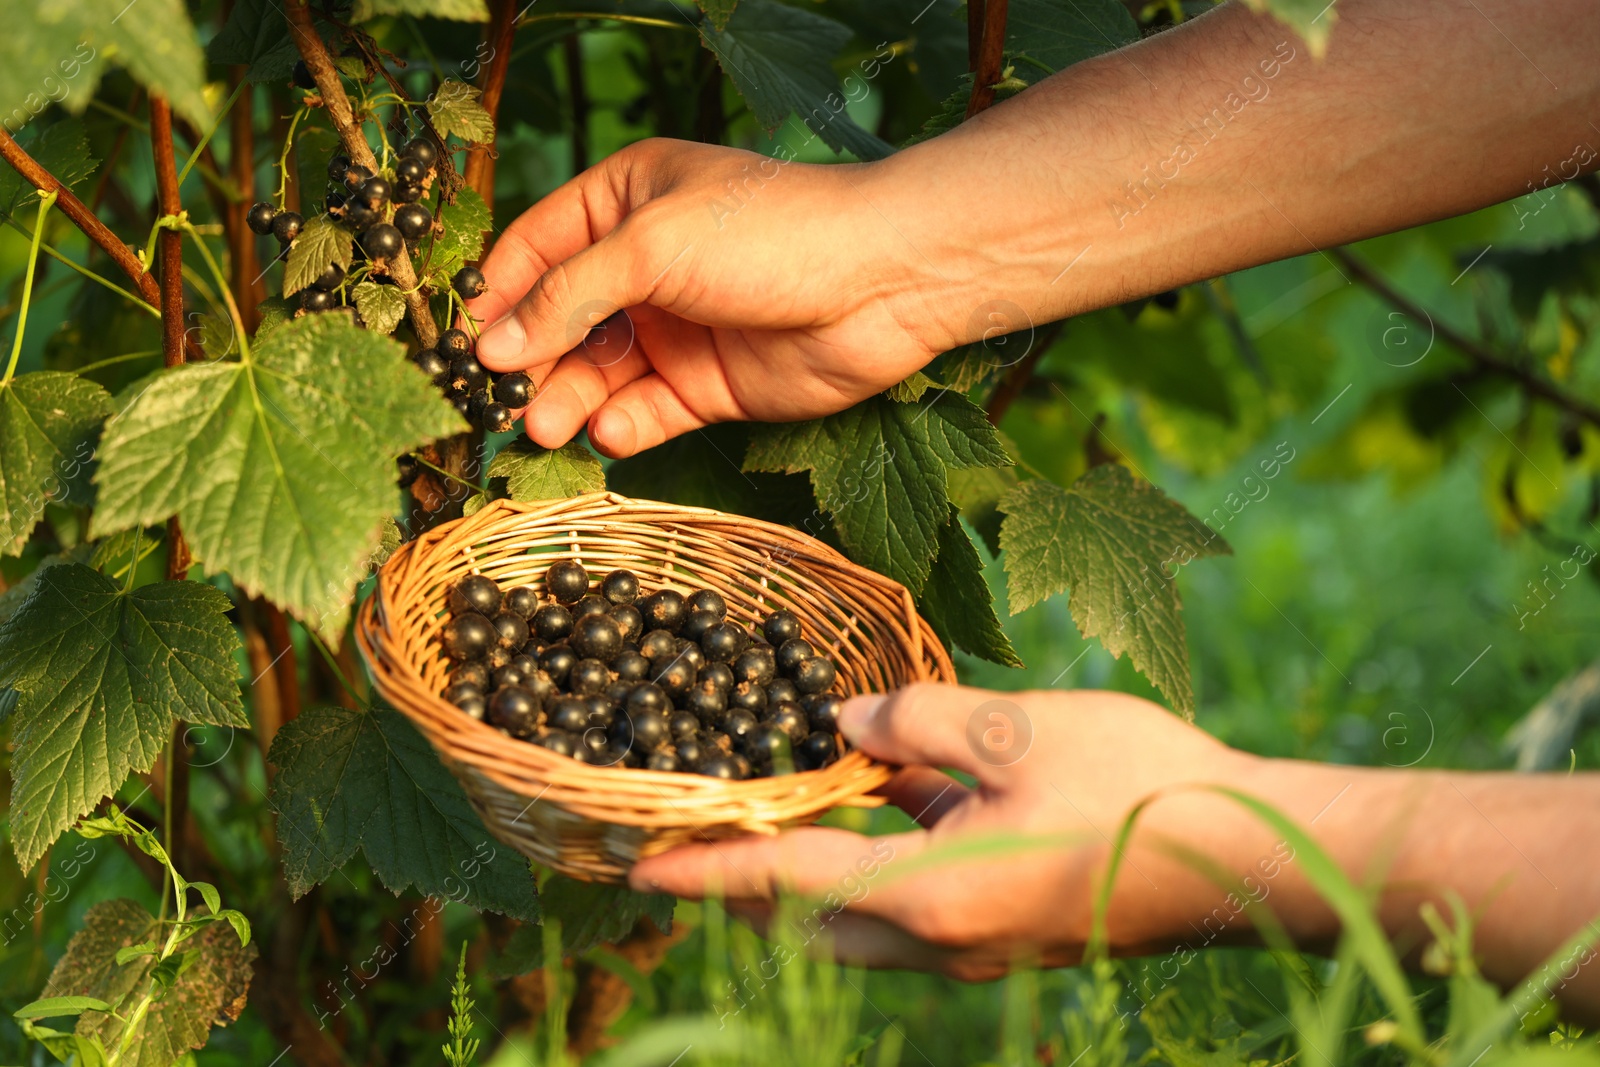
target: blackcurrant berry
<point>469,283</point>
<point>514,390</point>
<point>413,221</point>
<point>355,176</point>
<point>477,401</point>
<point>317,300</point>
<point>781,626</point>
<point>794,652</point>
<point>709,600</point>
<point>360,216</point>
<point>756,665</point>
<point>468,636</point>
<point>741,766</point>
<point>406,470</point>
<point>302,75</point>
<point>330,278</point>
<point>434,366</point>
<point>374,192</point>
<point>707,701</point>
<point>719,675</point>
<point>473,674</point>
<point>468,375</point>
<point>497,657</point>
<point>560,742</point>
<point>716,743</point>
<point>617,692</point>
<point>674,676</point>
<point>696,625</point>
<point>557,660</point>
<point>521,601</point>
<point>380,241</point>
<point>765,744</point>
<point>535,679</point>
<point>588,676</point>
<point>508,675</point>
<point>631,667</point>
<point>552,622</point>
<point>569,713</point>
<point>406,192</point>
<point>475,592</point>
<point>719,767</point>
<point>684,726</point>
<point>454,343</point>
<point>738,723</point>
<point>647,730</point>
<point>750,697</point>
<point>647,697</point>
<point>664,610</point>
<point>410,170</point>
<point>690,653</point>
<point>459,691</point>
<point>335,203</point>
<point>286,226</point>
<point>815,675</point>
<point>423,149</point>
<point>661,761</point>
<point>816,751</point>
<point>567,581</point>
<point>497,417</point>
<point>723,642</point>
<point>657,644</point>
<point>597,637</point>
<point>591,604</point>
<point>629,622</point>
<point>338,167</point>
<point>690,753</point>
<point>790,718</point>
<point>260,217</point>
<point>513,630</point>
<point>461,405</point>
<point>469,700</point>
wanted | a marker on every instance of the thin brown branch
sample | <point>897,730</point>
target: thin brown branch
<point>991,53</point>
<point>74,209</point>
<point>1021,373</point>
<point>479,171</point>
<point>1486,358</point>
<point>169,246</point>
<point>323,72</point>
<point>975,13</point>
<point>578,91</point>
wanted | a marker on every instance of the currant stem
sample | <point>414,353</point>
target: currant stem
<point>194,156</point>
<point>222,286</point>
<point>283,159</point>
<point>45,203</point>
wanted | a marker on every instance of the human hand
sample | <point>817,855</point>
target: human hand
<point>1092,758</point>
<point>794,299</point>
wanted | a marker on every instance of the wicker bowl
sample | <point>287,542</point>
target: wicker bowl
<point>594,822</point>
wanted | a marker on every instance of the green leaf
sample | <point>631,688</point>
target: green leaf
<point>388,541</point>
<point>256,36</point>
<point>534,473</point>
<point>280,466</point>
<point>465,223</point>
<point>591,914</point>
<point>358,779</point>
<point>62,149</point>
<point>208,986</point>
<point>977,492</point>
<point>702,469</point>
<point>381,306</point>
<point>103,673</point>
<point>956,600</point>
<point>48,422</point>
<point>1117,543</point>
<point>718,11</point>
<point>461,10</point>
<point>780,58</point>
<point>454,109</point>
<point>54,1007</point>
<point>113,556</point>
<point>1311,19</point>
<point>1058,33</point>
<point>879,469</point>
<point>322,243</point>
<point>272,313</point>
<point>910,391</point>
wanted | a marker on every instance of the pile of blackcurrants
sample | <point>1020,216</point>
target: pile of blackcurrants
<point>665,682</point>
<point>388,222</point>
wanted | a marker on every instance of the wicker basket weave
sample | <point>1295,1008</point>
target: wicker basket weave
<point>594,822</point>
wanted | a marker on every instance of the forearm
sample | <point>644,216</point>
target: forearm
<point>1222,144</point>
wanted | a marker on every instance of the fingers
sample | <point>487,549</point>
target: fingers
<point>811,861</point>
<point>844,936</point>
<point>641,415</point>
<point>923,725</point>
<point>924,793</point>
<point>575,389</point>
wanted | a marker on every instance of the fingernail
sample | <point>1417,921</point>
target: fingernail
<point>504,339</point>
<point>855,718</point>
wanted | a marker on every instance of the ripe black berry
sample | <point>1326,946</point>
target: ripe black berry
<point>719,767</point>
<point>459,691</point>
<point>410,170</point>
<point>738,723</point>
<point>510,674</point>
<point>780,626</point>
<point>422,149</point>
<point>473,674</point>
<point>616,693</point>
<point>647,730</point>
<point>661,761</point>
<point>631,667</point>
<point>302,75</point>
<point>664,609</point>
<point>696,625</point>
<point>513,630</point>
<point>567,581</point>
<point>413,221</point>
<point>468,636</point>
<point>597,637</point>
<point>780,690</point>
<point>690,653</point>
<point>707,701</point>
<point>286,226</point>
<point>469,283</point>
<point>756,665</point>
<point>260,217</point>
<point>674,676</point>
<point>816,751</point>
<point>523,601</point>
<point>748,696</point>
<point>475,592</point>
<point>588,676</point>
<point>476,402</point>
<point>657,644</point>
<point>381,241</point>
<point>723,642</point>
<point>690,753</point>
<point>454,342</point>
<point>790,718</point>
<point>338,167</point>
<point>355,176</point>
<point>335,202</point>
<point>569,713</point>
<point>560,742</point>
<point>647,697</point>
<point>718,674</point>
<point>794,652</point>
<point>315,300</point>
<point>330,278</point>
<point>460,402</point>
<point>433,365</point>
<point>406,192</point>
<point>406,470</point>
<point>683,726</point>
<point>552,622</point>
<point>374,192</point>
<point>629,622</point>
<point>515,390</point>
<point>468,698</point>
<point>497,417</point>
<point>497,657</point>
<point>557,661</point>
<point>360,216</point>
<point>468,375</point>
<point>591,605</point>
<point>535,679</point>
<point>815,675</point>
<point>619,587</point>
<point>711,601</point>
<point>765,744</point>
